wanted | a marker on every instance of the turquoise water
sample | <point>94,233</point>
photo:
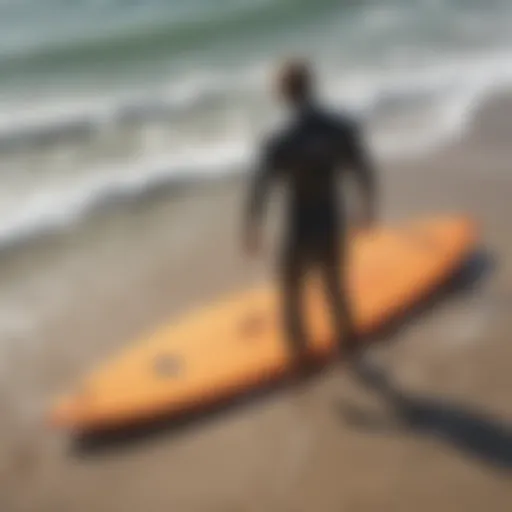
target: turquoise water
<point>108,98</point>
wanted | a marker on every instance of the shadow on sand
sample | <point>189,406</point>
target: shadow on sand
<point>468,430</point>
<point>100,443</point>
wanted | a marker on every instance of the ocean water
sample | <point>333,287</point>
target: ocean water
<point>102,100</point>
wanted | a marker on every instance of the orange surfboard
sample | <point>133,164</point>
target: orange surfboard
<point>237,344</point>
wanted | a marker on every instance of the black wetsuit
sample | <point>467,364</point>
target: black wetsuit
<point>308,156</point>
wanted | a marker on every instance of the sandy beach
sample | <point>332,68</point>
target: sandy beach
<point>338,446</point>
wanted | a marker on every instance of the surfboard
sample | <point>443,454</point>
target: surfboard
<point>237,344</point>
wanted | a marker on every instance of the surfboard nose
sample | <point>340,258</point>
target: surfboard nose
<point>70,411</point>
<point>63,414</point>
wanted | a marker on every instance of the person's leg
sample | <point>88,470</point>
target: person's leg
<point>333,262</point>
<point>292,274</point>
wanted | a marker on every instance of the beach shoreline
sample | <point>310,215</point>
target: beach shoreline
<point>100,288</point>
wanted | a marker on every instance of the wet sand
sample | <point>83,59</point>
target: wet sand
<point>439,439</point>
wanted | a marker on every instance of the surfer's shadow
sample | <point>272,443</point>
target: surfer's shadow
<point>469,430</point>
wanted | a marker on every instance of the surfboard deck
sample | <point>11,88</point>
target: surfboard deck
<point>237,344</point>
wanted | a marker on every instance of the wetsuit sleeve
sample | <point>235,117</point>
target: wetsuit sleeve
<point>264,174</point>
<point>361,165</point>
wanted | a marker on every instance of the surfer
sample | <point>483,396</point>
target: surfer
<point>308,155</point>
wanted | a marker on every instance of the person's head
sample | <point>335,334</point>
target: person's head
<point>294,83</point>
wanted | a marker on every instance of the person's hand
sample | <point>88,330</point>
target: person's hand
<point>252,242</point>
<point>368,218</point>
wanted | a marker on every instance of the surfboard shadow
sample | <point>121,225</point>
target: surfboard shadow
<point>464,428</point>
<point>100,443</point>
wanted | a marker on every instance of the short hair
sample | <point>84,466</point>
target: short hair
<point>294,80</point>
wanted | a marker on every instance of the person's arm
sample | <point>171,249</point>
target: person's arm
<point>257,196</point>
<point>361,165</point>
